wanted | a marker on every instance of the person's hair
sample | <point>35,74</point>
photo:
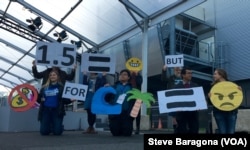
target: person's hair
<point>184,70</point>
<point>222,73</point>
<point>48,81</point>
<point>127,71</point>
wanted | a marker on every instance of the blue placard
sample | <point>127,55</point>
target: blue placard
<point>101,106</point>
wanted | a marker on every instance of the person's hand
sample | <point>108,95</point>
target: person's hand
<point>107,84</point>
<point>75,66</point>
<point>164,68</point>
<point>104,73</point>
<point>209,95</point>
<point>239,87</point>
<point>84,72</point>
<point>73,100</point>
<point>134,72</point>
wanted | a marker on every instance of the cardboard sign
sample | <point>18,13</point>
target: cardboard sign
<point>98,63</point>
<point>101,106</point>
<point>134,64</point>
<point>75,91</point>
<point>22,97</point>
<point>55,54</point>
<point>226,96</point>
<point>186,99</point>
<point>174,60</point>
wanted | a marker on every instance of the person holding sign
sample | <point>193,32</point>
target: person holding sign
<point>51,110</point>
<point>122,124</point>
<point>187,121</point>
<point>136,82</point>
<point>226,97</point>
<point>135,65</point>
<point>172,81</point>
<point>94,82</point>
<point>45,74</point>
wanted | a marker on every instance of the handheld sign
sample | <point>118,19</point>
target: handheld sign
<point>100,103</point>
<point>22,97</point>
<point>98,63</point>
<point>55,54</point>
<point>174,60</point>
<point>187,99</point>
<point>134,64</point>
<point>75,91</point>
<point>226,96</point>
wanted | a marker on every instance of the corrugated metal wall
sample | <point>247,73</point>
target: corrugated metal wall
<point>233,28</point>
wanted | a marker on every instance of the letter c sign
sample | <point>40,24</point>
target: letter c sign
<point>101,106</point>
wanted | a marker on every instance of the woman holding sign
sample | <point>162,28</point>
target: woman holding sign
<point>51,111</point>
<point>226,97</point>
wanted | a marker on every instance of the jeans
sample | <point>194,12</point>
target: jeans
<point>51,122</point>
<point>226,121</point>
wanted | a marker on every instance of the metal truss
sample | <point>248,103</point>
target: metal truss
<point>19,30</point>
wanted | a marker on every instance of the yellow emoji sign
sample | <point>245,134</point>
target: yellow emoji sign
<point>226,96</point>
<point>134,64</point>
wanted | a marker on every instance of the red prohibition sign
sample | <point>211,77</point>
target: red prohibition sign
<point>20,101</point>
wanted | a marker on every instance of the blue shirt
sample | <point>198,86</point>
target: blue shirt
<point>51,96</point>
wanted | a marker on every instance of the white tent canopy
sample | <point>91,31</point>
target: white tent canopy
<point>97,23</point>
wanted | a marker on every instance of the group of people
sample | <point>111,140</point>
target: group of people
<point>188,121</point>
<point>52,104</point>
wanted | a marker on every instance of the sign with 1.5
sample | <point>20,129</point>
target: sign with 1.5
<point>55,54</point>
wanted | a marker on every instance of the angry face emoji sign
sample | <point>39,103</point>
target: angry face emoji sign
<point>226,96</point>
<point>134,64</point>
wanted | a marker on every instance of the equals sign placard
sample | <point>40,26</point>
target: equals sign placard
<point>99,59</point>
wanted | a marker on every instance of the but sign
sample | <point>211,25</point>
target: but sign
<point>174,60</point>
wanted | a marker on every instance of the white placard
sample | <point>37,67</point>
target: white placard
<point>55,54</point>
<point>75,91</point>
<point>185,99</point>
<point>174,60</point>
<point>98,63</point>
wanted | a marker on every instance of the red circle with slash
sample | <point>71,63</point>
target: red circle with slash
<point>21,98</point>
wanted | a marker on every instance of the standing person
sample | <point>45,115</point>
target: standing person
<point>51,110</point>
<point>172,81</point>
<point>187,121</point>
<point>136,82</point>
<point>122,124</point>
<point>94,82</point>
<point>225,120</point>
<point>45,74</point>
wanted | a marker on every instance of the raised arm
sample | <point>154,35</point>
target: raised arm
<point>36,74</point>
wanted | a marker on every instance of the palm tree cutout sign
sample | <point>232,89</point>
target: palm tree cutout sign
<point>140,98</point>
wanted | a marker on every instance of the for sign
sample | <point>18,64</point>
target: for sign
<point>75,91</point>
<point>174,60</point>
